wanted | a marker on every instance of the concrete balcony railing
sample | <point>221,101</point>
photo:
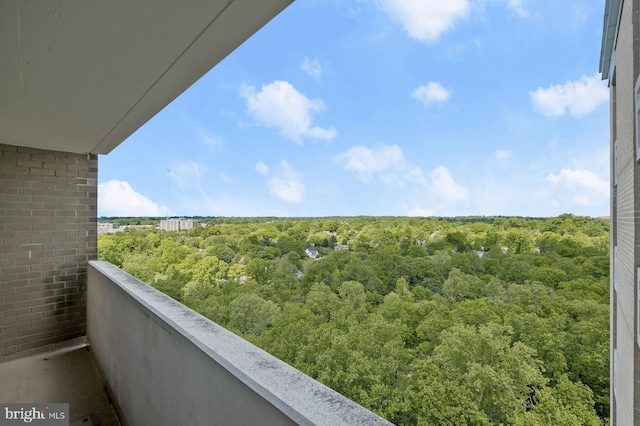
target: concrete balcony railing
<point>165,364</point>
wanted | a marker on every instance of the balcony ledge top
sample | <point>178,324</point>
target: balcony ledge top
<point>301,398</point>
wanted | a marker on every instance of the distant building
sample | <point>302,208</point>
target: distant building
<point>177,225</point>
<point>106,228</point>
<point>341,247</point>
<point>311,252</point>
<point>138,227</point>
<point>110,228</point>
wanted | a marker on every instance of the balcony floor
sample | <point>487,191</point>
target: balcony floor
<point>66,375</point>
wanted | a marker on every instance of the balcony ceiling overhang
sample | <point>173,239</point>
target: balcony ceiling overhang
<point>82,75</point>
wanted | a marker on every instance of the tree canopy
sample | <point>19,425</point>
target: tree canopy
<point>467,320</point>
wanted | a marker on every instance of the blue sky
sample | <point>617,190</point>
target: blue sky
<point>384,107</point>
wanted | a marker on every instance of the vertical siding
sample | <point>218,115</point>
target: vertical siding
<point>613,255</point>
<point>624,219</point>
<point>632,54</point>
<point>48,210</point>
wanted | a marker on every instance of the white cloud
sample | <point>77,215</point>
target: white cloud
<point>444,189</point>
<point>186,174</point>
<point>441,195</point>
<point>117,198</point>
<point>431,93</point>
<point>420,211</point>
<point>578,97</point>
<point>312,67</point>
<point>439,192</point>
<point>287,184</point>
<point>426,20</point>
<point>280,105</point>
<point>502,154</point>
<point>226,178</point>
<point>584,187</point>
<point>387,162</point>
<point>518,9</point>
<point>207,138</point>
<point>364,161</point>
<point>262,168</point>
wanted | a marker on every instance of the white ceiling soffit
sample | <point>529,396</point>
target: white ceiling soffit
<point>612,11</point>
<point>82,75</point>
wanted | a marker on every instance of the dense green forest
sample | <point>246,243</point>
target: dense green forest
<point>424,321</point>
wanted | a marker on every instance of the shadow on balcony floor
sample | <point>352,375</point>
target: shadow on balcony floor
<point>66,375</point>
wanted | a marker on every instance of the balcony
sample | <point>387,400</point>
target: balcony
<point>160,363</point>
<point>67,374</point>
<point>132,348</point>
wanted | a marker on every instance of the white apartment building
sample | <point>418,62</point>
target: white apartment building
<point>177,225</point>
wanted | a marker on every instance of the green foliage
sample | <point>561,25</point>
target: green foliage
<point>567,403</point>
<point>251,314</point>
<point>322,301</point>
<point>548,276</point>
<point>352,295</point>
<point>502,376</point>
<point>447,321</point>
<point>460,286</point>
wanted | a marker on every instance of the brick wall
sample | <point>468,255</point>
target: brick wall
<point>625,231</point>
<point>48,233</point>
